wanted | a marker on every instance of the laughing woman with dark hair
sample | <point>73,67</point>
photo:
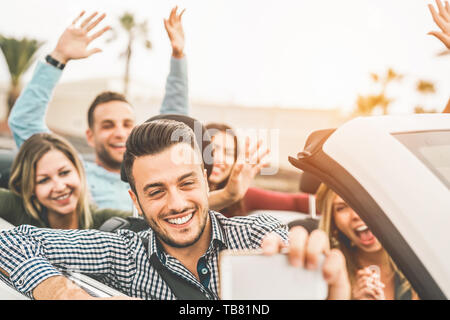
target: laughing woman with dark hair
<point>48,188</point>
<point>226,151</point>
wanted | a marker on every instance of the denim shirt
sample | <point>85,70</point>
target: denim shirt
<point>106,188</point>
<point>28,117</point>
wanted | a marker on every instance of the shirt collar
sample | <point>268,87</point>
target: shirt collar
<point>218,239</point>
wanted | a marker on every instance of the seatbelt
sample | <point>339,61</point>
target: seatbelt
<point>181,288</point>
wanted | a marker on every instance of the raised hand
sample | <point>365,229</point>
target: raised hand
<point>175,32</point>
<point>442,19</point>
<point>247,166</point>
<point>73,43</point>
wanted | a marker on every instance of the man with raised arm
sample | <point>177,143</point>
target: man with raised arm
<point>110,116</point>
<point>170,189</point>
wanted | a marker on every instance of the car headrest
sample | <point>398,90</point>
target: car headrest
<point>309,183</point>
<point>203,138</point>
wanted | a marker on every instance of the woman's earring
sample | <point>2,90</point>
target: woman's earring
<point>334,240</point>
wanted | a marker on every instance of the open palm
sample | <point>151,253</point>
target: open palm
<point>74,42</point>
<point>442,20</point>
<point>245,169</point>
<point>175,32</point>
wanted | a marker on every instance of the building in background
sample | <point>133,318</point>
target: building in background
<point>284,129</point>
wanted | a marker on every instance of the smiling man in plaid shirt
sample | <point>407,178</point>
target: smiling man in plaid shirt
<point>169,188</point>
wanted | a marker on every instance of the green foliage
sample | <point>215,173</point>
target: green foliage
<point>19,55</point>
<point>127,21</point>
<point>133,31</point>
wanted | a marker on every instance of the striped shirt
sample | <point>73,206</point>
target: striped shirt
<point>29,255</point>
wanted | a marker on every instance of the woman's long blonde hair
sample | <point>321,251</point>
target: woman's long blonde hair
<point>324,203</point>
<point>23,175</point>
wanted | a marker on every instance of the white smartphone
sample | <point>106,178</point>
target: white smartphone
<point>250,275</point>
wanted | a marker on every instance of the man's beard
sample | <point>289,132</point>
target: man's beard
<point>105,157</point>
<point>167,240</point>
<point>164,237</point>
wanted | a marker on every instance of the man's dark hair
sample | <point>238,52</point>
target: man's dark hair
<point>104,97</point>
<point>203,138</point>
<point>154,137</point>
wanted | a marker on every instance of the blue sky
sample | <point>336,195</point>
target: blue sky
<point>308,54</point>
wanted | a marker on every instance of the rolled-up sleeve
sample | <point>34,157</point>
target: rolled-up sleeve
<point>29,255</point>
<point>23,262</point>
<point>265,224</point>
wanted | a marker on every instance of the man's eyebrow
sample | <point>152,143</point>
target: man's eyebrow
<point>153,185</point>
<point>160,184</point>
<point>107,121</point>
<point>111,121</point>
<point>187,175</point>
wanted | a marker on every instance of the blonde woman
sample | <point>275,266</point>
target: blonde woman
<point>48,188</point>
<point>372,273</point>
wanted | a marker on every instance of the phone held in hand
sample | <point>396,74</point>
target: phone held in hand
<point>250,275</point>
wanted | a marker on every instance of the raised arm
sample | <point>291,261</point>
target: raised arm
<point>247,166</point>
<point>442,19</point>
<point>176,99</point>
<point>28,114</point>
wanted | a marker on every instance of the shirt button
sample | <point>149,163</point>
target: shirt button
<point>204,271</point>
<point>20,282</point>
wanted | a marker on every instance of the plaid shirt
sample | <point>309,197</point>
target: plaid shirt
<point>30,255</point>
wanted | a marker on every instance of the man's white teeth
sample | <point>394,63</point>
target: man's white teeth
<point>181,220</point>
<point>119,145</point>
<point>362,228</point>
<point>63,197</point>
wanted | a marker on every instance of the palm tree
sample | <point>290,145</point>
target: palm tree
<point>133,31</point>
<point>366,104</point>
<point>19,56</point>
<point>425,88</point>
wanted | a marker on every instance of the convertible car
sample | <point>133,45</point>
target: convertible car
<point>395,172</point>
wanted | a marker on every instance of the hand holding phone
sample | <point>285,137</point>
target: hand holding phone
<point>251,275</point>
<point>304,251</point>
